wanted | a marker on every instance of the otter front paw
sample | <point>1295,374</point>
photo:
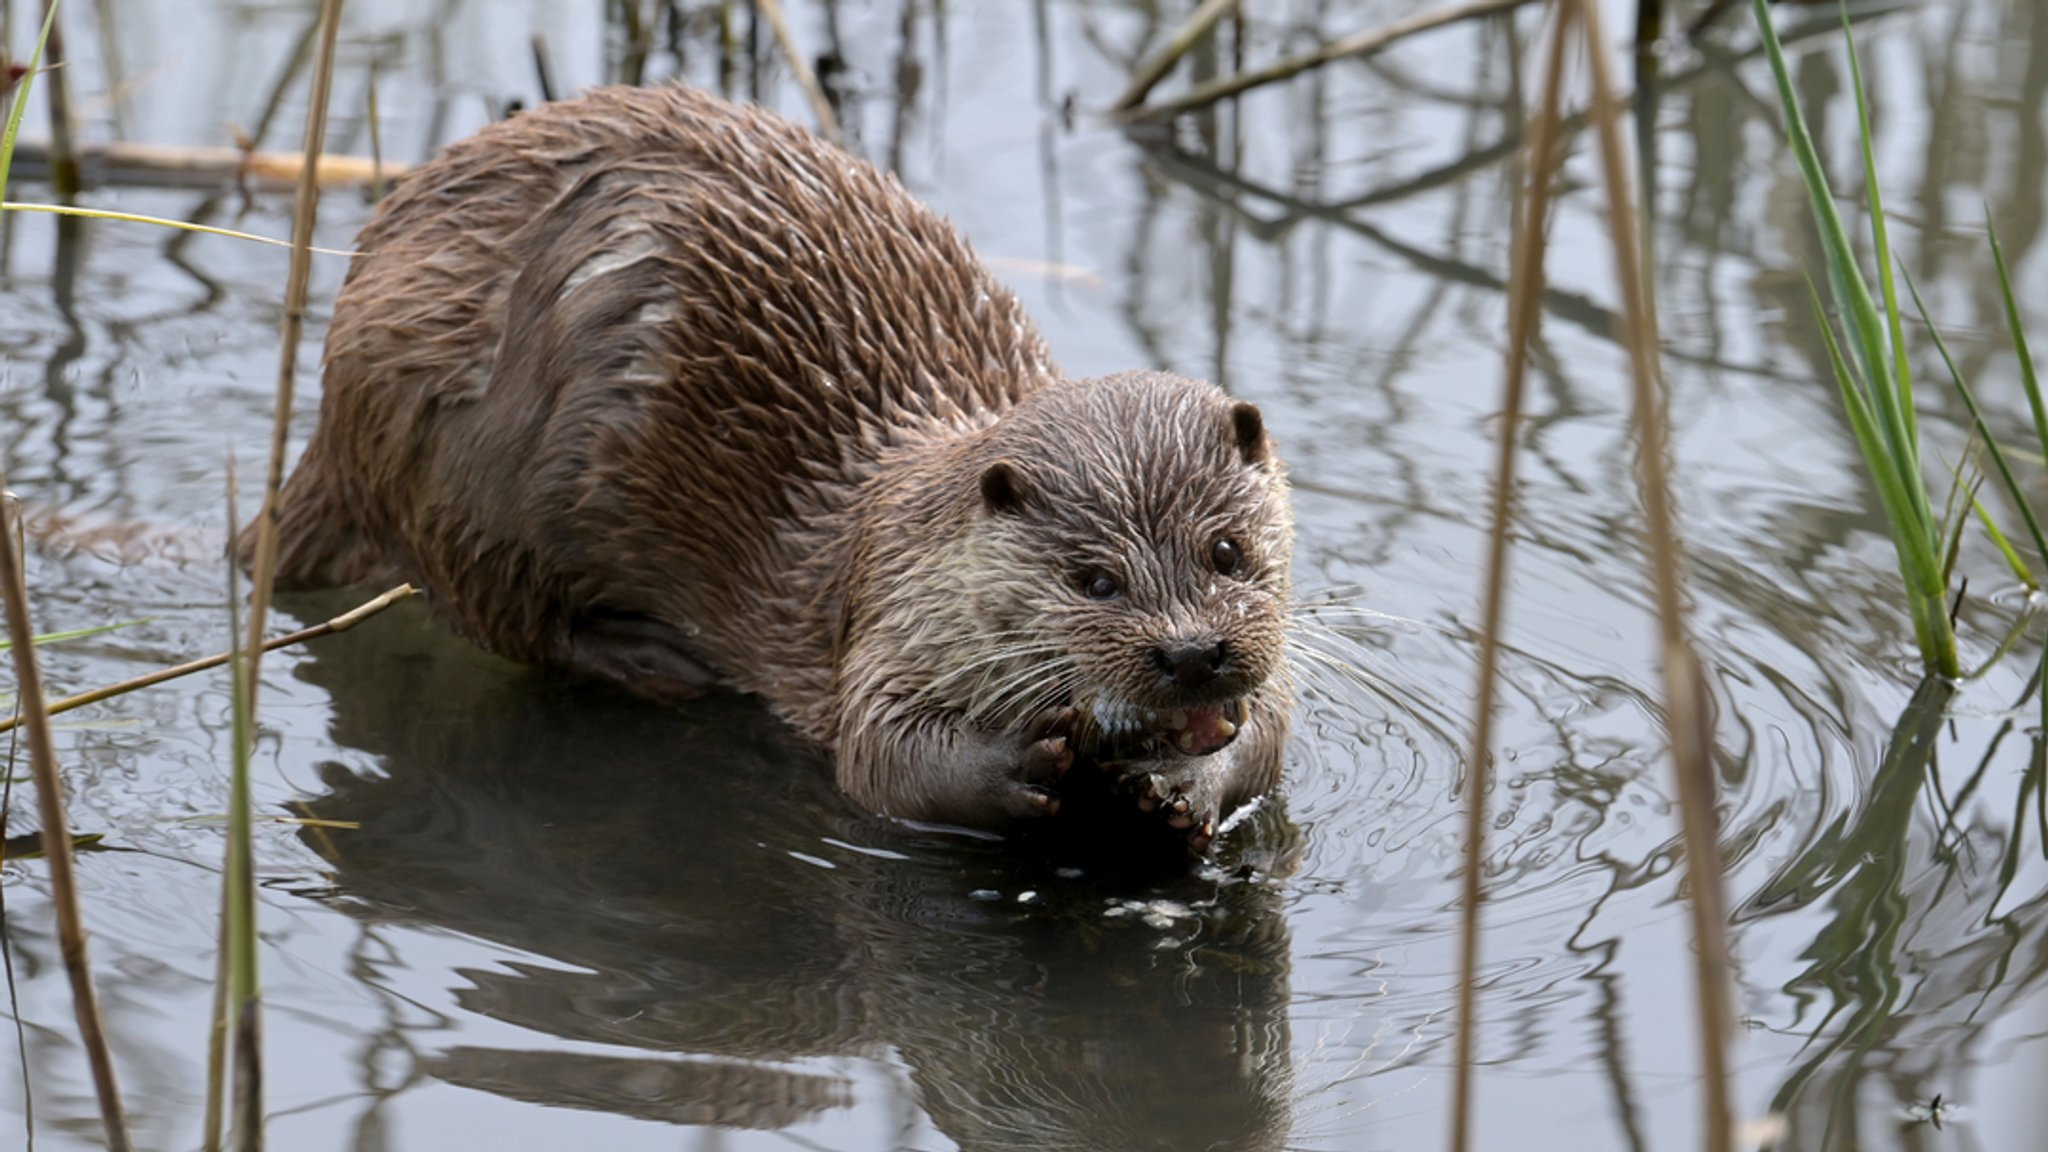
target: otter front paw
<point>1042,755</point>
<point>1182,792</point>
<point>1013,774</point>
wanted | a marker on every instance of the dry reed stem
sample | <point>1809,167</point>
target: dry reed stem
<point>216,1040</point>
<point>543,70</point>
<point>223,973</point>
<point>42,757</point>
<point>63,133</point>
<point>341,623</point>
<point>1686,705</point>
<point>1525,296</point>
<point>304,208</point>
<point>1362,44</point>
<point>1155,68</point>
<point>246,1010</point>
<point>828,124</point>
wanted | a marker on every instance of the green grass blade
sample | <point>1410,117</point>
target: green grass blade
<point>2013,559</point>
<point>2028,380</point>
<point>1919,565</point>
<point>160,222</point>
<point>2012,485</point>
<point>1952,522</point>
<point>21,92</point>
<point>1850,290</point>
<point>1902,372</point>
<point>74,634</point>
<point>1916,551</point>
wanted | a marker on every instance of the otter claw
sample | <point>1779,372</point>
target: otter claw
<point>1047,751</point>
<point>1200,839</point>
<point>1051,724</point>
<point>1151,790</point>
<point>1045,761</point>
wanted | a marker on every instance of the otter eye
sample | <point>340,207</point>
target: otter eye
<point>1225,555</point>
<point>1100,586</point>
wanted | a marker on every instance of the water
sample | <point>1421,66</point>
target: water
<point>561,919</point>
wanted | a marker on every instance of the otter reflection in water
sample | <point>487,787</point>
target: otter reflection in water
<point>713,910</point>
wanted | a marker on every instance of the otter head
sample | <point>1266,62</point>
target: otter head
<point>1145,520</point>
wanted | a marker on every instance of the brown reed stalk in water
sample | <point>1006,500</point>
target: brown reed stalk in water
<point>56,826</point>
<point>224,973</point>
<point>828,124</point>
<point>42,758</point>
<point>1525,298</point>
<point>1687,710</point>
<point>304,208</point>
<point>63,133</point>
<point>244,1002</point>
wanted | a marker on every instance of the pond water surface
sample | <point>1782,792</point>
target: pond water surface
<point>565,919</point>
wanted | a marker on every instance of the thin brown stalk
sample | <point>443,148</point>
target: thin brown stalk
<point>728,48</point>
<point>304,209</point>
<point>63,134</point>
<point>42,757</point>
<point>237,869</point>
<point>10,507</point>
<point>828,123</point>
<point>240,995</point>
<point>245,1001</point>
<point>378,187</point>
<point>543,71</point>
<point>1532,215</point>
<point>341,623</point>
<point>1155,67</point>
<point>1362,44</point>
<point>217,1040</point>
<point>1686,702</point>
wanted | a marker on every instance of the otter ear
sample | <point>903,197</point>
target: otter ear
<point>1003,488</point>
<point>1248,428</point>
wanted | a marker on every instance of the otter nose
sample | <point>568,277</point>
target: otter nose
<point>1191,663</point>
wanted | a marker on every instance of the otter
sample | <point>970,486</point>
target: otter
<point>669,392</point>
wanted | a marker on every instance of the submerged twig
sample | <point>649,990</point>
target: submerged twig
<point>1525,294</point>
<point>1362,44</point>
<point>828,124</point>
<point>1687,707</point>
<point>1155,68</point>
<point>341,623</point>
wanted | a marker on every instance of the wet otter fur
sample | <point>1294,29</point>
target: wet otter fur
<point>669,392</point>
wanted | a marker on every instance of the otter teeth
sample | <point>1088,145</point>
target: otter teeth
<point>1201,731</point>
<point>1222,721</point>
